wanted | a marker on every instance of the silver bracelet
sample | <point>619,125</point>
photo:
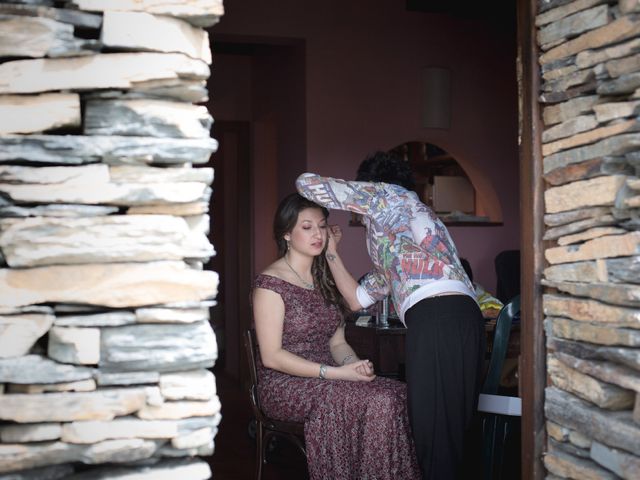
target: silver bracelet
<point>323,371</point>
<point>344,360</point>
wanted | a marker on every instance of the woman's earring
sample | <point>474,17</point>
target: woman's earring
<point>288,245</point>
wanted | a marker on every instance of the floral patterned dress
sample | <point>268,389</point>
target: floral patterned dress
<point>353,430</point>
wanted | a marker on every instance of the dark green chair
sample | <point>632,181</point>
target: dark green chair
<point>500,414</point>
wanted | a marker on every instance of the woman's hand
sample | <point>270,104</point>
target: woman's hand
<point>335,235</point>
<point>360,371</point>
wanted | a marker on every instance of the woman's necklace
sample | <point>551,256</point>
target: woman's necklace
<point>308,285</point>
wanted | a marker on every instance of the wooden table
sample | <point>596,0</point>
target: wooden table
<point>384,346</point>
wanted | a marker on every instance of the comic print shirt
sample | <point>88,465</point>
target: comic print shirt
<point>413,255</point>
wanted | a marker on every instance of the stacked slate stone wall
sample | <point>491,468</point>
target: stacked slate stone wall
<point>590,99</point>
<point>105,341</point>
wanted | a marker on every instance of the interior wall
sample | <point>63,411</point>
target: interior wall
<point>363,76</point>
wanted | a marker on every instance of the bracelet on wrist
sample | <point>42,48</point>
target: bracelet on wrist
<point>323,371</point>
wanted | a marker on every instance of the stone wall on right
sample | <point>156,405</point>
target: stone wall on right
<point>590,98</point>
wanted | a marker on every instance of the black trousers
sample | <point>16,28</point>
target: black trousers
<point>445,346</point>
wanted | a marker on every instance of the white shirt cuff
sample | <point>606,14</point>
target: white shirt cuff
<point>364,299</point>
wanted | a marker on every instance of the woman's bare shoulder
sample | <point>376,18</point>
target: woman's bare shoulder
<point>275,270</point>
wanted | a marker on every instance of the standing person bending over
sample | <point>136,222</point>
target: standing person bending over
<point>416,262</point>
<point>356,426</point>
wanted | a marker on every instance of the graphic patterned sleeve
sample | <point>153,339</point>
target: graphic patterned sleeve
<point>334,193</point>
<point>373,286</point>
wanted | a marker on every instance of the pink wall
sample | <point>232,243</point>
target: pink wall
<point>363,77</point>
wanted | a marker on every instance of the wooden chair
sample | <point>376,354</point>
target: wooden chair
<point>500,414</point>
<point>266,427</point>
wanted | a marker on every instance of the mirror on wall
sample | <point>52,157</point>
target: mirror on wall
<point>442,183</point>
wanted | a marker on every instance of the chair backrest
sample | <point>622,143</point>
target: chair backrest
<point>507,265</point>
<point>250,344</point>
<point>500,343</point>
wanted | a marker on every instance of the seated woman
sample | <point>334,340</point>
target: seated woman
<point>356,425</point>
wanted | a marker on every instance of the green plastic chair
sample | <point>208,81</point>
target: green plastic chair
<point>500,414</point>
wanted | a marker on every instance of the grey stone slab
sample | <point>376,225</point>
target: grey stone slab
<point>136,31</point>
<point>127,378</point>
<point>80,149</point>
<point>594,192</point>
<point>188,385</point>
<point>570,127</point>
<point>166,195</point>
<point>589,58</point>
<point>615,429</point>
<point>615,270</point>
<point>37,369</point>
<point>618,461</point>
<point>579,226</point>
<point>612,293</point>
<point>18,333</point>
<point>629,357</point>
<point>115,238</point>
<point>599,333</point>
<point>563,218</point>
<point>115,285</point>
<point>193,91</point>
<point>18,457</point>
<point>596,167</point>
<point>24,113</point>
<point>34,432</point>
<point>117,71</point>
<point>203,451</point>
<point>147,118</point>
<point>22,36</point>
<point>144,174</point>
<point>108,319</point>
<point>588,310</point>
<point>623,66</point>
<point>564,11</point>
<point>76,18</point>
<point>61,210</point>
<point>88,385</point>
<point>77,346</point>
<point>570,449</point>
<point>622,376</point>
<point>573,25</point>
<point>15,174</point>
<point>612,146</point>
<point>618,30</point>
<point>94,431</point>
<point>191,469</point>
<point>44,309</point>
<point>171,315</point>
<point>567,110</point>
<point>53,472</point>
<point>69,406</point>
<point>162,347</point>
<point>566,465</point>
<point>202,13</point>
<point>624,84</point>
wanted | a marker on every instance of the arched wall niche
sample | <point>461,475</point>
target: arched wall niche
<point>430,160</point>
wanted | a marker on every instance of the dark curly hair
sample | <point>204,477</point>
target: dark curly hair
<point>285,219</point>
<point>386,167</point>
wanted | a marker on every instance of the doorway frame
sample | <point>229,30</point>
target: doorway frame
<point>533,351</point>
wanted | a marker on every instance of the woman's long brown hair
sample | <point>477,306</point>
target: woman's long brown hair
<point>285,219</point>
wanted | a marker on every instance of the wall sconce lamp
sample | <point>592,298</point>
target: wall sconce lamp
<point>436,103</point>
